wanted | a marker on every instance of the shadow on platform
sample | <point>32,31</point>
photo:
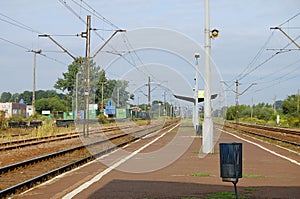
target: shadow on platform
<point>138,189</point>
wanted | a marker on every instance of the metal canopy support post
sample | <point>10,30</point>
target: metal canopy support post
<point>196,113</point>
<point>237,102</point>
<point>207,140</point>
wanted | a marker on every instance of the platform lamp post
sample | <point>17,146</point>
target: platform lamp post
<point>196,112</point>
<point>207,141</point>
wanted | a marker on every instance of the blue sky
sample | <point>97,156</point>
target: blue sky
<point>244,28</point>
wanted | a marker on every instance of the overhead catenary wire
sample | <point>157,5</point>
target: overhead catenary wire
<point>15,44</point>
<point>95,13</point>
<point>293,17</point>
<point>256,57</point>
<point>64,3</point>
<point>18,24</point>
<point>267,60</point>
<point>29,50</point>
<point>131,49</point>
<point>250,67</point>
<point>271,57</point>
<point>285,67</point>
<point>276,83</point>
<point>23,26</point>
<point>282,76</point>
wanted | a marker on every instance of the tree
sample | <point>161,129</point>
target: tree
<point>102,81</point>
<point>53,104</point>
<point>230,113</point>
<point>244,111</point>
<point>5,97</point>
<point>289,106</point>
<point>67,83</point>
<point>119,94</point>
<point>48,94</point>
<point>111,90</point>
<point>26,96</point>
<point>15,97</point>
<point>75,80</point>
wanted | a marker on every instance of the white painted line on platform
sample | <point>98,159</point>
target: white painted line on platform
<point>264,148</point>
<point>109,169</point>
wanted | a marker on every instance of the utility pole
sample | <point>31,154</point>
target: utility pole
<point>298,100</point>
<point>274,104</point>
<point>86,116</point>
<point>165,107</point>
<point>34,78</point>
<point>88,44</point>
<point>118,97</point>
<point>85,35</point>
<point>237,94</point>
<point>76,95</point>
<point>149,98</point>
<point>102,94</point>
<point>251,109</point>
<point>236,102</point>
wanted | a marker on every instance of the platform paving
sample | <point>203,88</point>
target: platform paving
<point>269,172</point>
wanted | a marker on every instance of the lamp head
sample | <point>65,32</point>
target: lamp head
<point>214,33</point>
<point>197,55</point>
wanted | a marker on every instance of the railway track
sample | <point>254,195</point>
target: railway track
<point>26,174</point>
<point>284,135</point>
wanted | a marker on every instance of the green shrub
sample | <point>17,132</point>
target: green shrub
<point>102,119</point>
<point>3,121</point>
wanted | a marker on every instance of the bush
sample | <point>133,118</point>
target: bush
<point>3,121</point>
<point>102,119</point>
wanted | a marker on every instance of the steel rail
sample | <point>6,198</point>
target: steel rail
<point>271,128</point>
<point>55,154</point>
<point>52,138</point>
<point>265,136</point>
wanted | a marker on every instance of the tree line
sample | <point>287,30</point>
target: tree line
<point>45,99</point>
<point>74,81</point>
<point>264,113</point>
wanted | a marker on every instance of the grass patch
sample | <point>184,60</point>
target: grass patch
<point>200,175</point>
<point>174,130</point>
<point>224,195</point>
<point>252,176</point>
<point>196,152</point>
<point>200,152</point>
<point>250,189</point>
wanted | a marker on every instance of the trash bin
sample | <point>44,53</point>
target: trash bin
<point>231,161</point>
<point>199,129</point>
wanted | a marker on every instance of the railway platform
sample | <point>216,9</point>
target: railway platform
<point>268,172</point>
